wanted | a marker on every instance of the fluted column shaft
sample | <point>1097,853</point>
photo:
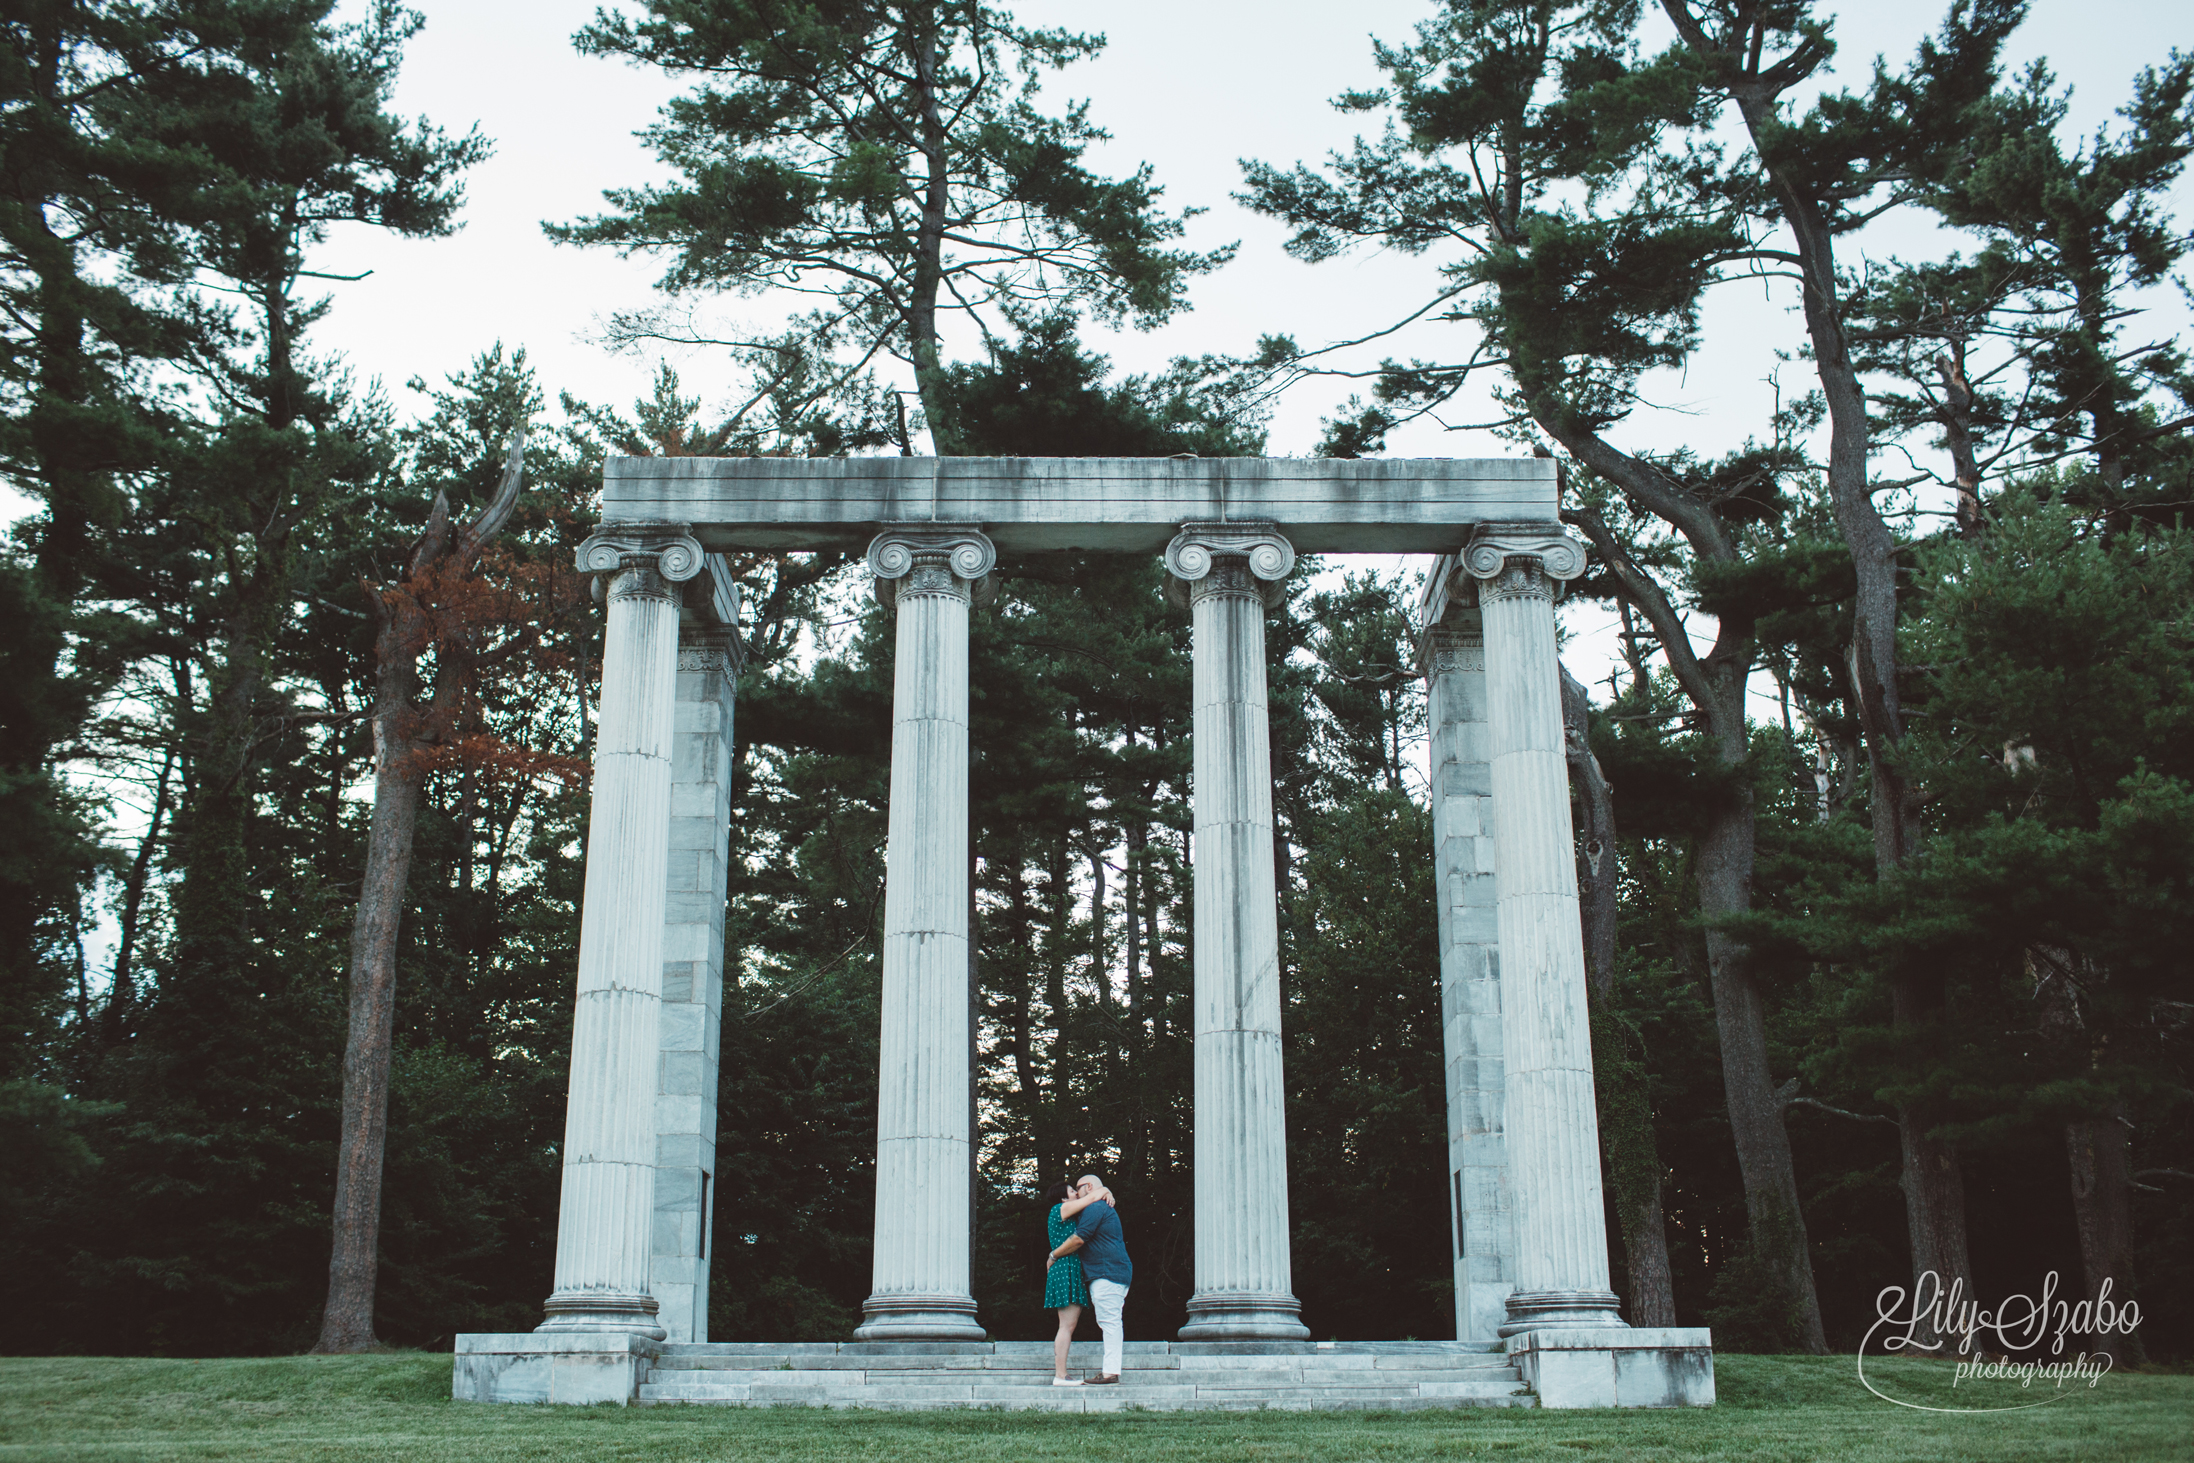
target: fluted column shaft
<point>604,1219</point>
<point>924,1147</point>
<point>1245,1284</point>
<point>1453,655</point>
<point>1551,1124</point>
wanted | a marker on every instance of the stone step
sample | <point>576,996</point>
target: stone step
<point>1079,1359</point>
<point>1159,1375</point>
<point>1157,1397</point>
<point>1132,1378</point>
<point>1070,1401</point>
<point>1015,1348</point>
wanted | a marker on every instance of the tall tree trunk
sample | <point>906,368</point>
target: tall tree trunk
<point>929,234</point>
<point>1596,871</point>
<point>1772,1208</point>
<point>347,1324</point>
<point>1100,923</point>
<point>2102,1208</point>
<point>1137,885</point>
<point>403,735</point>
<point>1059,1119</point>
<point>2096,1148</point>
<point>1024,1063</point>
<point>1618,1058</point>
<point>1931,1176</point>
<point>122,989</point>
<point>1724,863</point>
<point>1934,1186</point>
<point>1957,420</point>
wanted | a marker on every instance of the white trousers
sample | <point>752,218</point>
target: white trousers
<point>1108,1298</point>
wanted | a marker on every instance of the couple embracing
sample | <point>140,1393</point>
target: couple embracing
<point>1088,1263</point>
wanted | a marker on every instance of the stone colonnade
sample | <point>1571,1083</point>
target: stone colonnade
<point>632,1245</point>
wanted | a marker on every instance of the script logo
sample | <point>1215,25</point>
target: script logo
<point>1939,1317</point>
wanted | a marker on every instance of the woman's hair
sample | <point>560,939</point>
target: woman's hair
<point>1057,1194</point>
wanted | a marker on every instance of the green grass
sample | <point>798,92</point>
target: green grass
<point>332,1409</point>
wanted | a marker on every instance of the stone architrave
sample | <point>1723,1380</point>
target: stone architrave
<point>605,1221</point>
<point>1548,1114</point>
<point>925,1158</point>
<point>1452,656</point>
<point>1245,1287</point>
<point>709,657</point>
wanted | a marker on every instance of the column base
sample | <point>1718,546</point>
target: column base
<point>1544,1310</point>
<point>919,1318</point>
<point>578,1368</point>
<point>1617,1366</point>
<point>595,1310</point>
<point>1244,1315</point>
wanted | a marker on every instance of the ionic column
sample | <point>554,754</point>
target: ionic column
<point>1245,1287</point>
<point>709,656</point>
<point>1551,1124</point>
<point>925,1160</point>
<point>1452,656</point>
<point>603,1226</point>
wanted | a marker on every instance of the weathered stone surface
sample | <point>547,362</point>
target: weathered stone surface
<point>924,1146</point>
<point>1452,656</point>
<point>693,977</point>
<point>605,1226</point>
<point>578,1368</point>
<point>1182,1376</point>
<point>1617,1366</point>
<point>1549,1122</point>
<point>1244,1281</point>
<point>1033,504</point>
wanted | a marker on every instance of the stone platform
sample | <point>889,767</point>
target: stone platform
<point>1160,1376</point>
<point>1580,1367</point>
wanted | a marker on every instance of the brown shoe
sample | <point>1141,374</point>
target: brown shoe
<point>1104,1381</point>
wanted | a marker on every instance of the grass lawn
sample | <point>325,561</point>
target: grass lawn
<point>331,1409</point>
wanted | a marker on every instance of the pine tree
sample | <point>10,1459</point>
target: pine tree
<point>1575,304</point>
<point>887,157</point>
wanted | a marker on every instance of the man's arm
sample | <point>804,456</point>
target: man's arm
<point>1073,1243</point>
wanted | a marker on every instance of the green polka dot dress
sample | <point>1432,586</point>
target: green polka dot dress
<point>1063,1284</point>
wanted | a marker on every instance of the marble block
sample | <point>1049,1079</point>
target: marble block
<point>571,1367</point>
<point>1617,1366</point>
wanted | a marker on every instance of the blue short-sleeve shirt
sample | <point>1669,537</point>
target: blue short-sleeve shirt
<point>1104,1248</point>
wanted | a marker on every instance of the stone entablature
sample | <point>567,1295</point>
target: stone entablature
<point>1043,504</point>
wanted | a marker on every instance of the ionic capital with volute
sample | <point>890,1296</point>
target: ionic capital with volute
<point>931,558</point>
<point>646,559</point>
<point>1510,559</point>
<point>1227,558</point>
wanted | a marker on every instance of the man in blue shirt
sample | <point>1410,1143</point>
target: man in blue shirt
<point>1107,1268</point>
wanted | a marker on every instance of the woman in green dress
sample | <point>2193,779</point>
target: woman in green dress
<point>1064,1289</point>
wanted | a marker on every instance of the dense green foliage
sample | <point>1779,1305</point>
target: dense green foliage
<point>1951,961</point>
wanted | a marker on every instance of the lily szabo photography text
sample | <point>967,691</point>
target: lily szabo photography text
<point>899,726</point>
<point>2022,1340</point>
<point>1940,1315</point>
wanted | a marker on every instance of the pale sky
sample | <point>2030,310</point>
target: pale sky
<point>1190,87</point>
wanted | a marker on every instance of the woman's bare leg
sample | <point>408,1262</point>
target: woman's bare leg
<point>1069,1316</point>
